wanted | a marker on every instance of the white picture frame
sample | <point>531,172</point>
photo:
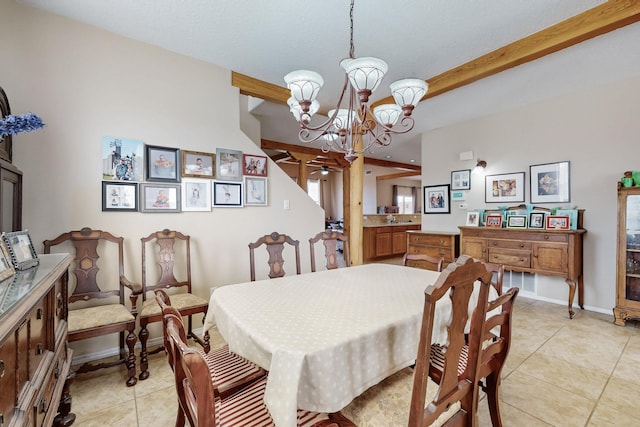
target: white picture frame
<point>196,195</point>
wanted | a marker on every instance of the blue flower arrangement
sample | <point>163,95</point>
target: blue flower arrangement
<point>13,124</point>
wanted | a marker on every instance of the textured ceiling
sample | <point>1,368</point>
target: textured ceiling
<point>417,38</point>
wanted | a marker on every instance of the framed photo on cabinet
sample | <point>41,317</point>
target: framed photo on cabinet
<point>536,220</point>
<point>21,251</point>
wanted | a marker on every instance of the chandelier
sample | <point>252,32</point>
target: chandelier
<point>345,126</point>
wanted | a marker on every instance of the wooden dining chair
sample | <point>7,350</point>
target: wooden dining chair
<point>498,271</point>
<point>201,405</point>
<point>493,354</point>
<point>423,261</point>
<point>330,241</point>
<point>167,253</point>
<point>274,243</point>
<point>229,372</point>
<point>97,304</point>
<point>410,397</point>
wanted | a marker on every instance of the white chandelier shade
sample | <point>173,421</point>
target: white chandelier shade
<point>408,92</point>
<point>365,74</point>
<point>387,114</point>
<point>304,85</point>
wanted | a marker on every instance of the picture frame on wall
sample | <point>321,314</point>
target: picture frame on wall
<point>198,164</point>
<point>119,196</point>
<point>550,182</point>
<point>163,163</point>
<point>461,180</point>
<point>255,191</point>
<point>228,164</point>
<point>20,248</point>
<point>504,188</point>
<point>253,165</point>
<point>436,199</point>
<point>159,197</point>
<point>196,195</point>
<point>122,159</point>
<point>227,194</point>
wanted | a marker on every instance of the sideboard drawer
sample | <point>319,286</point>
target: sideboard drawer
<point>510,257</point>
<point>430,239</point>
<point>431,251</point>
<point>510,244</point>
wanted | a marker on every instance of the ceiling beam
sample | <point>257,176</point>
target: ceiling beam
<point>397,175</point>
<point>594,22</point>
<point>612,15</point>
<point>390,164</point>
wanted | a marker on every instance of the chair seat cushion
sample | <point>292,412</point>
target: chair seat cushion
<point>247,408</point>
<point>179,301</point>
<point>93,317</point>
<point>387,403</point>
<point>228,368</point>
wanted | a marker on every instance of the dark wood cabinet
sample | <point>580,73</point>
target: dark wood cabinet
<point>34,358</point>
<point>10,197</point>
<point>552,252</point>
<point>628,256</point>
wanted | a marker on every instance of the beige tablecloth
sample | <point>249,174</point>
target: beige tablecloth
<point>326,337</point>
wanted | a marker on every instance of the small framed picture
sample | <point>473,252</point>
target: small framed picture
<point>508,187</point>
<point>493,221</point>
<point>198,164</point>
<point>461,180</point>
<point>228,164</point>
<point>227,194</point>
<point>255,191</point>
<point>122,159</point>
<point>473,219</point>
<point>119,196</point>
<point>517,221</point>
<point>436,199</point>
<point>20,249</point>
<point>254,165</point>
<point>550,183</point>
<point>6,266</point>
<point>162,163</point>
<point>536,220</point>
<point>196,195</point>
<point>159,197</point>
<point>557,222</point>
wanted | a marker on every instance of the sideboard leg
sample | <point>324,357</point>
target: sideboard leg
<point>581,291</point>
<point>572,293</point>
<point>65,417</point>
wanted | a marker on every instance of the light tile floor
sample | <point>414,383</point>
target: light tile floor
<point>560,372</point>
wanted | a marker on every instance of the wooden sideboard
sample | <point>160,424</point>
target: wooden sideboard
<point>552,252</point>
<point>434,243</point>
<point>34,358</point>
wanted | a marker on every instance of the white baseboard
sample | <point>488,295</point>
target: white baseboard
<point>90,357</point>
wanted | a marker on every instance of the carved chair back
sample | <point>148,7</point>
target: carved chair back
<point>457,283</point>
<point>166,241</point>
<point>274,244</point>
<point>424,260</point>
<point>330,241</point>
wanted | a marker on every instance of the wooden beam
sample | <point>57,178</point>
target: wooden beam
<point>594,22</point>
<point>397,175</point>
<point>266,144</point>
<point>260,89</point>
<point>609,16</point>
<point>390,164</point>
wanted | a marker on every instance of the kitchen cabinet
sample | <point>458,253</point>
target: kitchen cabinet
<point>385,241</point>
<point>552,252</point>
<point>628,256</point>
<point>437,244</point>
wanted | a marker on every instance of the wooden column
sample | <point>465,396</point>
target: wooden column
<point>303,172</point>
<point>355,204</point>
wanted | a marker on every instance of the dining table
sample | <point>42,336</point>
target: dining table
<point>326,337</point>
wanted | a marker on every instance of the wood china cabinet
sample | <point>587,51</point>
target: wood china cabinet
<point>10,179</point>
<point>628,259</point>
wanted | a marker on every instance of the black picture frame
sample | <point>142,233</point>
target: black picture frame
<point>21,250</point>
<point>436,199</point>
<point>119,196</point>
<point>550,182</point>
<point>227,194</point>
<point>461,180</point>
<point>163,163</point>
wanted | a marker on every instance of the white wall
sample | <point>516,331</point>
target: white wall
<point>87,83</point>
<point>596,130</point>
